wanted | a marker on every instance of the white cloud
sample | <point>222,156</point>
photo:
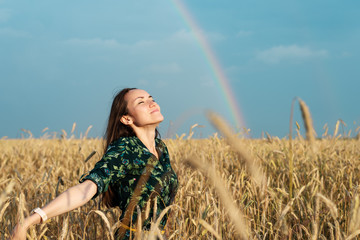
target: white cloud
<point>5,14</point>
<point>183,35</point>
<point>244,34</point>
<point>186,35</point>
<point>177,39</point>
<point>144,43</point>
<point>346,54</point>
<point>108,43</point>
<point>292,52</point>
<point>9,32</point>
<point>164,68</point>
<point>111,43</point>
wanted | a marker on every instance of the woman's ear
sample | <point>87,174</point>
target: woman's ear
<point>126,120</point>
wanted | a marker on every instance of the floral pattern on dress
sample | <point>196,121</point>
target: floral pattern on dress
<point>121,167</point>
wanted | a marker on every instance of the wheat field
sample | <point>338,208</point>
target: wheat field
<point>230,187</point>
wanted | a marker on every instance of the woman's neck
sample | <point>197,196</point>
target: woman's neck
<point>147,137</point>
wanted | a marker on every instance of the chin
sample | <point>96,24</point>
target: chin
<point>160,120</point>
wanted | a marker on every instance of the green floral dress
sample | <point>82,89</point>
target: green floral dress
<point>137,177</point>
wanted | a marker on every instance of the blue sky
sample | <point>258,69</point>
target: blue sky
<point>62,61</point>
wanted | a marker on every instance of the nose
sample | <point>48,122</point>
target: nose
<point>152,103</point>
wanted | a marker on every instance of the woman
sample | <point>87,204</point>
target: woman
<point>134,171</point>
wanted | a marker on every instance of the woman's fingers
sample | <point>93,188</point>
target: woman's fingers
<point>19,233</point>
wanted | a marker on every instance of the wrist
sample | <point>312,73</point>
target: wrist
<point>41,213</point>
<point>34,218</point>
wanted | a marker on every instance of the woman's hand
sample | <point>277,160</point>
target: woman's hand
<point>72,198</point>
<point>19,232</point>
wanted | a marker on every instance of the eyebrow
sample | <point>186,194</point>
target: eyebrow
<point>142,97</point>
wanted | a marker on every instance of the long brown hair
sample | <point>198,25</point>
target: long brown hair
<point>115,130</point>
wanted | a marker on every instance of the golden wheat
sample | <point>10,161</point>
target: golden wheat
<point>325,204</point>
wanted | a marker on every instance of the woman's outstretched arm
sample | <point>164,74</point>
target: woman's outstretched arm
<point>72,198</point>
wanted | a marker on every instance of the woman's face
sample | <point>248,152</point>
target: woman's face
<point>142,109</point>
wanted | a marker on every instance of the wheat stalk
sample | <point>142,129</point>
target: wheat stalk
<point>308,123</point>
<point>227,200</point>
<point>253,168</point>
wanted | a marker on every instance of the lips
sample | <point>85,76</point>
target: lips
<point>154,111</point>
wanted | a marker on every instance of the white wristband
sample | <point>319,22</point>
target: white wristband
<point>41,213</point>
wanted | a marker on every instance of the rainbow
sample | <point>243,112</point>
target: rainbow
<point>221,79</point>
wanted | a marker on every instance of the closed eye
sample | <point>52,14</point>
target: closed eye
<point>152,99</point>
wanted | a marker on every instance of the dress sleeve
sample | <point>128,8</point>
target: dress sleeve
<point>108,170</point>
